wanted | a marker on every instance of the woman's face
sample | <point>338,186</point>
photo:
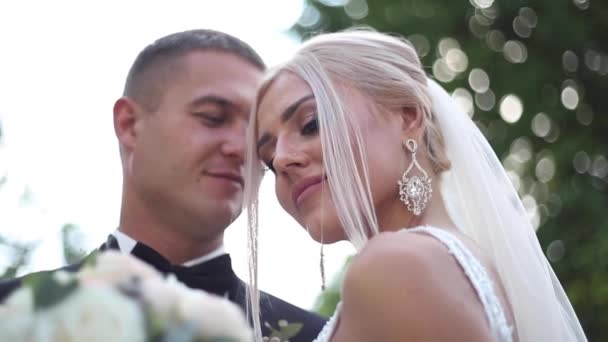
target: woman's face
<point>289,143</point>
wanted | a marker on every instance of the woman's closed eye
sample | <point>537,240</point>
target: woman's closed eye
<point>311,127</point>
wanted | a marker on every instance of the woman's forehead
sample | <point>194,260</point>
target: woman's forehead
<point>282,92</point>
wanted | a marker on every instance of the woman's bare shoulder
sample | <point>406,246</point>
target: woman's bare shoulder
<point>413,283</point>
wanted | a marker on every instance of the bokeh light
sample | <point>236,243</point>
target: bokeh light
<point>356,9</point>
<point>479,80</point>
<point>532,209</point>
<point>447,44</point>
<point>457,60</point>
<point>553,134</point>
<point>521,27</point>
<point>529,16</point>
<point>478,26</point>
<point>421,43</point>
<point>581,162</point>
<point>485,101</point>
<point>511,164</point>
<point>540,191</point>
<point>464,99</point>
<point>492,12</point>
<point>570,61</point>
<point>521,149</point>
<point>554,205</point>
<point>545,169</point>
<point>541,125</point>
<point>584,114</point>
<point>570,97</point>
<point>496,40</point>
<point>593,60</point>
<point>525,22</point>
<point>581,4</point>
<point>515,179</point>
<point>442,72</point>
<point>599,168</point>
<point>482,3</point>
<point>515,51</point>
<point>511,108</point>
<point>310,17</point>
<point>334,3</point>
<point>556,250</point>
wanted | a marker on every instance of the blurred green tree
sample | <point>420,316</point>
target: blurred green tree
<point>17,254</point>
<point>534,76</point>
<point>72,239</point>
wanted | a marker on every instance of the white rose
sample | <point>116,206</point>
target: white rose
<point>16,315</point>
<point>162,296</point>
<point>97,313</point>
<point>19,302</point>
<point>113,268</point>
<point>214,316</point>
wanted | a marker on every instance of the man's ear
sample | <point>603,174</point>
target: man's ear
<point>127,113</point>
<point>412,123</point>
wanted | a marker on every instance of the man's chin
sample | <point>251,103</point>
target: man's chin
<point>224,211</point>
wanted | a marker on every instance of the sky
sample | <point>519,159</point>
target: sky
<point>62,66</point>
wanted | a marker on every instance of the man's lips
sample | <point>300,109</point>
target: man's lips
<point>229,175</point>
<point>303,184</point>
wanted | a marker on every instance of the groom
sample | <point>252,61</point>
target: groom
<point>181,126</point>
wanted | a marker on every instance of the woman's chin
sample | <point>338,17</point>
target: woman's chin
<point>326,235</point>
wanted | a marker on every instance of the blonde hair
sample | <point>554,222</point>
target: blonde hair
<point>385,69</point>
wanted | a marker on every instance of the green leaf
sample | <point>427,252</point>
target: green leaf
<point>286,330</point>
<point>47,289</point>
<point>91,259</point>
<point>155,325</point>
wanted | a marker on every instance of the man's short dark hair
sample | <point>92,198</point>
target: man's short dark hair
<point>158,62</point>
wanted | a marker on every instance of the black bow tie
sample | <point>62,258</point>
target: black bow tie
<point>215,276</point>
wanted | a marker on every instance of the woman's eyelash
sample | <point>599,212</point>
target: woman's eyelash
<point>311,127</point>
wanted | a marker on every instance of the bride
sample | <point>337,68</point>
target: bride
<point>365,147</point>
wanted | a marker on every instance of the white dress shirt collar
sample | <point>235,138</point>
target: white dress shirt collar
<point>127,243</point>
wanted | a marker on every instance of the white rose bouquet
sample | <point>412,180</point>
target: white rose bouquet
<point>116,297</point>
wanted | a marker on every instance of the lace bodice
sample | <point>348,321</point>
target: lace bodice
<point>477,275</point>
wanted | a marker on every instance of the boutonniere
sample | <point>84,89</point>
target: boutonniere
<point>283,332</point>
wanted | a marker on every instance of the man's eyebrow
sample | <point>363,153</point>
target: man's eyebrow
<point>285,116</point>
<point>213,99</point>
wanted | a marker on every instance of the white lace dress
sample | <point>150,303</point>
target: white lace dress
<point>477,275</point>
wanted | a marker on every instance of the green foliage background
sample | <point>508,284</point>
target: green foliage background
<point>540,51</point>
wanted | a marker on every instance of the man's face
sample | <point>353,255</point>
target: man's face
<point>187,163</point>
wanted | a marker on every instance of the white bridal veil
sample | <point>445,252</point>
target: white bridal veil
<point>485,206</point>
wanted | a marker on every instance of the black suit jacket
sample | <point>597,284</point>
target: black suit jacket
<point>272,308</point>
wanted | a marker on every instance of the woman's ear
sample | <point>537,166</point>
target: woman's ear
<point>412,123</point>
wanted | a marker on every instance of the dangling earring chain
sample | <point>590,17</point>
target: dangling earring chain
<point>322,263</point>
<point>414,191</point>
